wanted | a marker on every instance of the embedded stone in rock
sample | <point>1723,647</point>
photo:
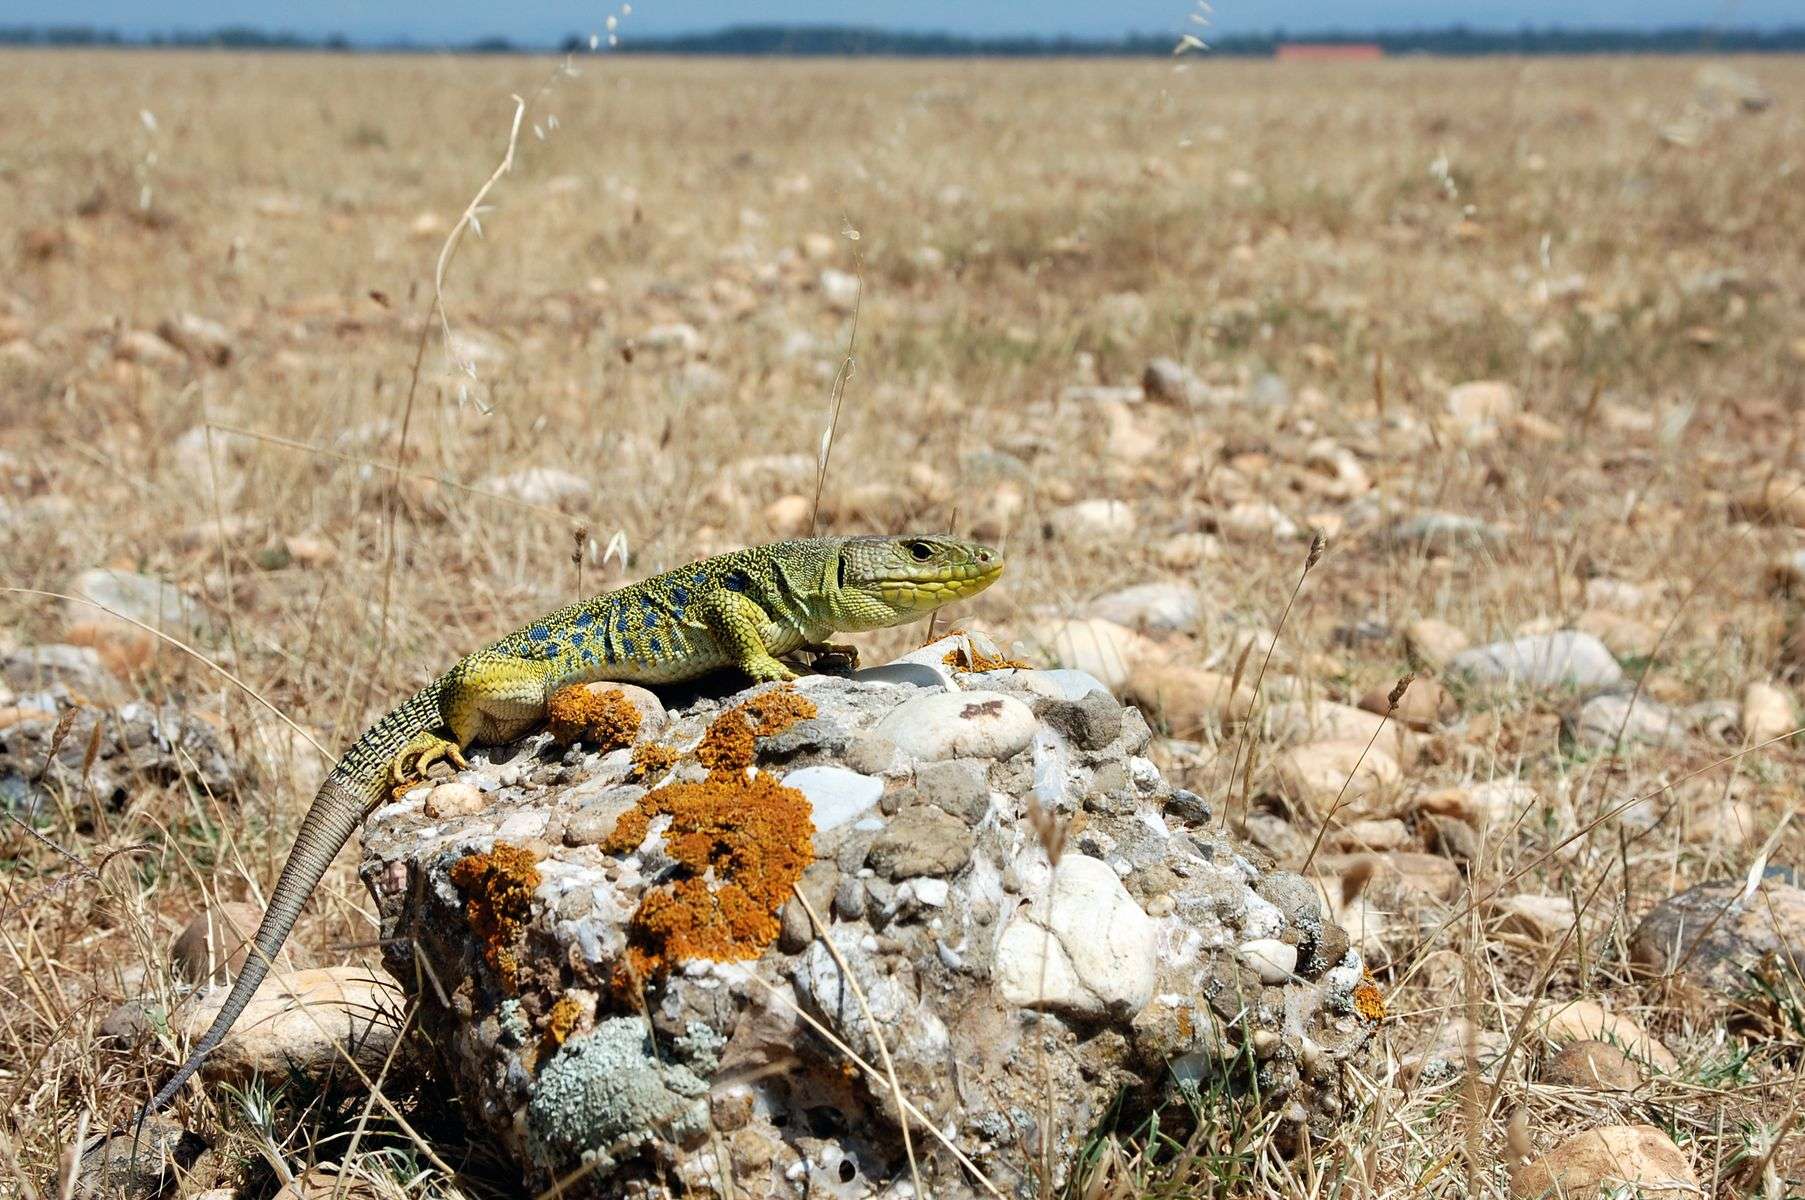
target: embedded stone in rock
<point>960,725</point>
<point>606,1092</point>
<point>1717,946</point>
<point>959,786</point>
<point>1599,1162</point>
<point>1564,659</point>
<point>835,795</point>
<point>922,840</point>
<point>1082,947</point>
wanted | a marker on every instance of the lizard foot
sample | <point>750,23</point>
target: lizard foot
<point>417,757</point>
<point>833,658</point>
<point>768,670</point>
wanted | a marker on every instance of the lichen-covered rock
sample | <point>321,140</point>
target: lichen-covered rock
<point>644,951</point>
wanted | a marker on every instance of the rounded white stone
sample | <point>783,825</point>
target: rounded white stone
<point>1083,946</point>
<point>1274,960</point>
<point>942,725</point>
<point>835,794</point>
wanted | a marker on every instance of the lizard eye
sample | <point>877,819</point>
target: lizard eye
<point>920,551</point>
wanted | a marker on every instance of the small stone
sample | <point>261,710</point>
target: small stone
<point>819,882</point>
<point>946,725</point>
<point>840,289</point>
<point>546,487</point>
<point>1604,722</point>
<point>959,786</point>
<point>1443,533</point>
<point>1424,704</point>
<point>596,821</point>
<point>1185,699</point>
<point>212,945</point>
<point>1767,713</point>
<point>1082,947</point>
<point>1316,774</point>
<point>1098,647</point>
<point>1434,643</point>
<point>1544,919</point>
<point>1580,1020</point>
<point>1623,635</point>
<point>1272,960</point>
<point>147,349</point>
<point>1159,607</point>
<point>677,337</point>
<point>199,338</point>
<point>1709,943</point>
<point>1482,402</point>
<point>1597,1163</point>
<point>137,1164</point>
<point>1453,838</point>
<point>300,1021</point>
<point>453,800</point>
<point>1564,659</point>
<point>1093,520</point>
<point>788,516</point>
<point>1327,721</point>
<point>1183,551</point>
<point>922,840</point>
<point>1496,802</point>
<point>1256,521</point>
<point>1170,382</point>
<point>1092,722</point>
<point>835,794</point>
<point>1379,833</point>
<point>1596,1065</point>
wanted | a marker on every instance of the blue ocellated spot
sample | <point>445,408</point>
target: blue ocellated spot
<point>585,619</point>
<point>620,618</point>
<point>588,656</point>
<point>657,647</point>
<point>735,581</point>
<point>540,633</point>
<point>679,595</point>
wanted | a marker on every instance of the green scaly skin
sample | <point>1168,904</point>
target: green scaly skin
<point>742,609</point>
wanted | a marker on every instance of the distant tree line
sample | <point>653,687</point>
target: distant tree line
<point>838,41</point>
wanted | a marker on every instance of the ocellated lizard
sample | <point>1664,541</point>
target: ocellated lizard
<point>743,609</point>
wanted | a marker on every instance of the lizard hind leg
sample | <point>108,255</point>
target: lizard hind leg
<point>412,761</point>
<point>489,698</point>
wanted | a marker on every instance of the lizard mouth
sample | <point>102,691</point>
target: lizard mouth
<point>941,585</point>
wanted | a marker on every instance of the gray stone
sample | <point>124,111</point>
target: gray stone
<point>64,672</point>
<point>1082,947</point>
<point>959,786</point>
<point>1443,532</point>
<point>835,794</point>
<point>1598,723</point>
<point>1160,607</point>
<point>960,725</point>
<point>905,674</point>
<point>1564,659</point>
<point>143,598</point>
<point>923,840</point>
<point>820,882</point>
<point>594,823</point>
<point>137,1164</point>
<point>1093,722</point>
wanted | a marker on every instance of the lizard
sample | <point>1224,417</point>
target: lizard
<point>743,609</point>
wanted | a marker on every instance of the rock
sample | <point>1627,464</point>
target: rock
<point>61,671</point>
<point>1324,720</point>
<point>1158,607</point>
<point>1624,636</point>
<point>1711,945</point>
<point>144,598</point>
<point>1482,402</point>
<point>1083,947</point>
<point>137,1164</point>
<point>1600,722</point>
<point>1272,960</point>
<point>1564,659</point>
<point>1443,533</point>
<point>1402,876</point>
<point>1433,643</point>
<point>675,337</point>
<point>453,800</point>
<point>1092,520</point>
<point>133,746</point>
<point>1187,700</point>
<point>840,289</point>
<point>1170,382</point>
<point>1314,775</point>
<point>212,945</point>
<point>302,1021</point>
<point>959,725</point>
<point>546,487</point>
<point>623,993</point>
<point>923,840</point>
<point>1446,1051</point>
<point>1544,919</point>
<point>1597,1163</point>
<point>1581,1020</point>
<point>835,795</point>
<point>1598,1066</point>
<point>1767,713</point>
<point>198,338</point>
<point>1183,551</point>
<point>1095,646</point>
<point>1256,521</point>
<point>1378,833</point>
<point>1497,802</point>
<point>147,349</point>
<point>1424,704</point>
<point>788,516</point>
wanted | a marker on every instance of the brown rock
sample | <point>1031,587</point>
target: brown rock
<point>1543,919</point>
<point>1187,699</point>
<point>1594,1164</point>
<point>453,800</point>
<point>1767,713</point>
<point>1326,721</point>
<point>1712,944</point>
<point>1321,775</point>
<point>1779,499</point>
<point>1431,643</point>
<point>1593,1064</point>
<point>1385,833</point>
<point>1624,636</point>
<point>213,944</point>
<point>1588,1020</point>
<point>922,840</point>
<point>1400,876</point>
<point>303,1020</point>
<point>1424,704</point>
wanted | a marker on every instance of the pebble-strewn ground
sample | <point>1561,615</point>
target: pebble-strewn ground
<point>1524,340</point>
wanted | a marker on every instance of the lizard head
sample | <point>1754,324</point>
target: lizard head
<point>882,581</point>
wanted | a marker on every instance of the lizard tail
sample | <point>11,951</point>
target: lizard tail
<point>337,810</point>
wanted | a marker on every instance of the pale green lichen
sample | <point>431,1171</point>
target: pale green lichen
<point>700,1047</point>
<point>514,1027</point>
<point>605,1093</point>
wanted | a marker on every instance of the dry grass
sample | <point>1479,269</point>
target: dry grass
<point>1370,234</point>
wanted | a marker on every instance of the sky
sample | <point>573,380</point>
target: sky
<point>547,20</point>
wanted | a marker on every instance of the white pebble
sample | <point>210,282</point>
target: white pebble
<point>1274,960</point>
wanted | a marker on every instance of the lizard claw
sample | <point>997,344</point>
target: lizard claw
<point>413,761</point>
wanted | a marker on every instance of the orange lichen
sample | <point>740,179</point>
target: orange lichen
<point>729,744</point>
<point>605,718</point>
<point>966,656</point>
<point>777,710</point>
<point>566,1017</point>
<point>1369,1002</point>
<point>1186,1027</point>
<point>652,759</point>
<point>741,843</point>
<point>498,891</point>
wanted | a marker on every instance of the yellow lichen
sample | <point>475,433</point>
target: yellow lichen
<point>498,891</point>
<point>566,1017</point>
<point>729,744</point>
<point>1369,1002</point>
<point>777,710</point>
<point>652,759</point>
<point>741,843</point>
<point>604,718</point>
<point>966,656</point>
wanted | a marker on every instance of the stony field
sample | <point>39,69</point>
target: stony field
<point>1282,388</point>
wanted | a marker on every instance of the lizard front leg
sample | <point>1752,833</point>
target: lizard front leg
<point>734,621</point>
<point>488,698</point>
